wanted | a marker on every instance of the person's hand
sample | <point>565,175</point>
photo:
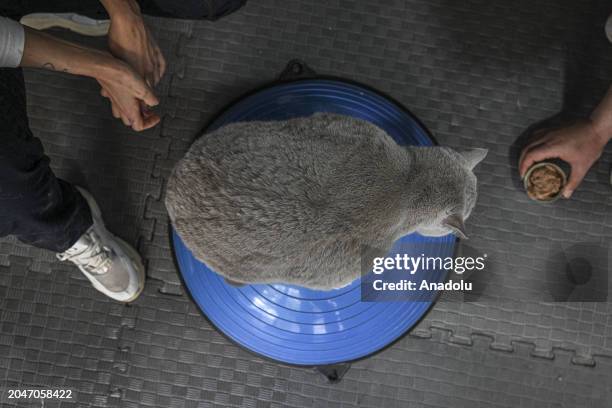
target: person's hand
<point>579,145</point>
<point>130,40</point>
<point>129,94</point>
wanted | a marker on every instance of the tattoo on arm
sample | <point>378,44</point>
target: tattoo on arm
<point>49,66</point>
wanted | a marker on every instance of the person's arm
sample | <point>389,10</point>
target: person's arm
<point>129,39</point>
<point>127,90</point>
<point>580,145</point>
<point>602,118</point>
<point>45,51</point>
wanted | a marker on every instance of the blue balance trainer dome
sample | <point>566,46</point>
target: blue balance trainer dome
<point>292,324</point>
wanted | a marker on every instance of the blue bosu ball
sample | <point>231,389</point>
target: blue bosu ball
<point>292,324</point>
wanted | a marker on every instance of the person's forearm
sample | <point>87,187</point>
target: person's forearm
<point>44,51</point>
<point>602,118</point>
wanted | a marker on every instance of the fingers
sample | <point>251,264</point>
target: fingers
<point>131,84</point>
<point>152,72</point>
<point>157,72</point>
<point>538,142</point>
<point>116,112</point>
<point>150,76</point>
<point>154,75</point>
<point>576,176</point>
<point>147,96</point>
<point>133,114</point>
<point>129,92</point>
<point>146,122</point>
<point>142,88</point>
<point>154,69</point>
<point>114,108</point>
<point>126,121</point>
<point>143,118</point>
<point>151,121</point>
<point>161,65</point>
<point>535,154</point>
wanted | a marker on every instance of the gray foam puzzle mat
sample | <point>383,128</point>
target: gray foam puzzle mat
<point>478,74</point>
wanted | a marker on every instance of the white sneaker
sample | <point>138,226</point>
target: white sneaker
<point>70,21</point>
<point>609,28</point>
<point>111,265</point>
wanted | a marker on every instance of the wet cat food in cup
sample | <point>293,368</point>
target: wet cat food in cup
<point>544,182</point>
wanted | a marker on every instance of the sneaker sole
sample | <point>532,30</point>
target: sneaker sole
<point>96,213</point>
<point>43,21</point>
<point>140,269</point>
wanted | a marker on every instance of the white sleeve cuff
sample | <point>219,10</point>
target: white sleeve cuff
<point>12,41</point>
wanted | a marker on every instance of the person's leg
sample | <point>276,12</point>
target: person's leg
<point>35,206</point>
<point>191,9</point>
<point>16,9</point>
<point>44,211</point>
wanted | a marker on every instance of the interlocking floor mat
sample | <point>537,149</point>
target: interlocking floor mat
<point>478,74</point>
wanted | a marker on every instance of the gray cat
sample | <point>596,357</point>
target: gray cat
<point>301,201</point>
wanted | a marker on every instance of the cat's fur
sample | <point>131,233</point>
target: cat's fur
<point>298,201</point>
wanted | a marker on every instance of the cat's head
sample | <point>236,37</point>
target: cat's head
<point>451,190</point>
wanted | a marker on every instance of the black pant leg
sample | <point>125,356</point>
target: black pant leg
<point>16,9</point>
<point>35,206</point>
<point>192,9</point>
<point>183,9</point>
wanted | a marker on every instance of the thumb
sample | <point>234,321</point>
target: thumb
<point>575,179</point>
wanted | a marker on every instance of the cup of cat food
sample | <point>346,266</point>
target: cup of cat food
<point>544,182</point>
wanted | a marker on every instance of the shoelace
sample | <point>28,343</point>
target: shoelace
<point>95,258</point>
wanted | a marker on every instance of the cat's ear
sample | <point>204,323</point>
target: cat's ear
<point>474,156</point>
<point>455,223</point>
